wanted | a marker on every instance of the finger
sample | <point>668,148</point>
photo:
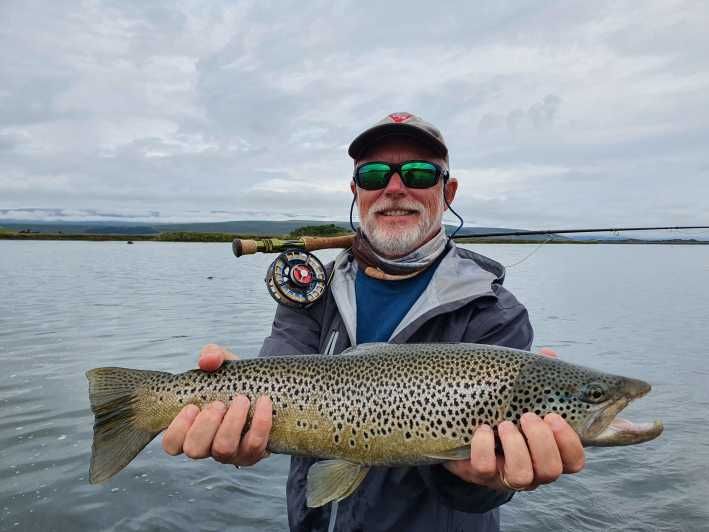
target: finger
<point>198,442</point>
<point>253,445</point>
<point>546,460</point>
<point>481,467</point>
<point>175,434</point>
<point>518,463</point>
<point>568,443</point>
<point>228,355</point>
<point>226,441</point>
<point>213,356</point>
<point>547,352</point>
<point>482,455</point>
<point>460,468</point>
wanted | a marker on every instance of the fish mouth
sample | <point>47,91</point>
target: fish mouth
<point>606,429</point>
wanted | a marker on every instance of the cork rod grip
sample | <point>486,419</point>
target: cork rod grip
<point>244,247</point>
<point>334,242</point>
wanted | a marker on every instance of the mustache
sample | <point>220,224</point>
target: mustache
<point>405,205</point>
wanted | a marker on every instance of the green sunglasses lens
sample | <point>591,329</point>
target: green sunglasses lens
<point>414,174</point>
<point>419,174</point>
<point>373,176</point>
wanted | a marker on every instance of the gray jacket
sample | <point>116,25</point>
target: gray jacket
<point>463,302</point>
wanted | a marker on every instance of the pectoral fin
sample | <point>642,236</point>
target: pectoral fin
<point>459,453</point>
<point>333,480</point>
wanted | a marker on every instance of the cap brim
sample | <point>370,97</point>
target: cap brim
<point>369,137</point>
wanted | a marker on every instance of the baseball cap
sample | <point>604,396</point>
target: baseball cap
<point>400,124</point>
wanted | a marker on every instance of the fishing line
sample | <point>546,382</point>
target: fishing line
<point>460,225</point>
<point>354,198</point>
<point>508,266</point>
<point>297,278</point>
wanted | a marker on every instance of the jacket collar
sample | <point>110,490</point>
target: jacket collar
<point>459,279</point>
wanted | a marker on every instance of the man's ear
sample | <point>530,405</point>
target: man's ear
<point>353,187</point>
<point>450,187</point>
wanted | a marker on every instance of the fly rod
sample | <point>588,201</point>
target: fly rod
<point>242,247</point>
<point>566,231</point>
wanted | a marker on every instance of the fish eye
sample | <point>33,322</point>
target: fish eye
<point>594,392</point>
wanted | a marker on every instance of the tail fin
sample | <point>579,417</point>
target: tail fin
<point>115,395</point>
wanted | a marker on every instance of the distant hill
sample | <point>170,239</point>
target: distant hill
<point>80,228</point>
<point>251,227</point>
<point>243,227</point>
<point>275,228</point>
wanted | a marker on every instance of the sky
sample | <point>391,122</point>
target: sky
<point>556,113</point>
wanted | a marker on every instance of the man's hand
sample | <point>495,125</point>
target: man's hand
<point>539,454</point>
<point>216,430</point>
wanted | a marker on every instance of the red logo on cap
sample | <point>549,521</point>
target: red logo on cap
<point>398,118</point>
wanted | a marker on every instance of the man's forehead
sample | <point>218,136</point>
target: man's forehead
<point>397,147</point>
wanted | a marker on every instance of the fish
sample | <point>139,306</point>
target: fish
<point>375,404</point>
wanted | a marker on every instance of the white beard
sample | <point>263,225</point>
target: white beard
<point>397,242</point>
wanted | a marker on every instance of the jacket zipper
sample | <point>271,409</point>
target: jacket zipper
<point>329,350</point>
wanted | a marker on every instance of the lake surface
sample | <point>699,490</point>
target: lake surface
<point>66,307</point>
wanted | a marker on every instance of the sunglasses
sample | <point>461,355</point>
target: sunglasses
<point>414,174</point>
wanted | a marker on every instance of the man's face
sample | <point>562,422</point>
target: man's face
<point>398,219</point>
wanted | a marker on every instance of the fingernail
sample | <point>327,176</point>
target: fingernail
<point>191,411</point>
<point>548,352</point>
<point>218,405</point>
<point>484,428</point>
<point>530,417</point>
<point>244,400</point>
<point>556,421</point>
<point>263,398</point>
<point>504,427</point>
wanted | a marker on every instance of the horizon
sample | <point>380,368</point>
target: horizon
<point>289,225</point>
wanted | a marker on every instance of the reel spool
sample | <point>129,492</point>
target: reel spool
<point>296,278</point>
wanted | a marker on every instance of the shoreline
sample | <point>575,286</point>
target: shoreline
<point>229,237</point>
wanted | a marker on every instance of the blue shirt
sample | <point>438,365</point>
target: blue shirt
<point>381,305</point>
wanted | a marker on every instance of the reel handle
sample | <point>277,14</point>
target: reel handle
<point>274,245</point>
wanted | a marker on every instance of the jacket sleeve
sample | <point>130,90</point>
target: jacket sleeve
<point>503,322</point>
<point>294,331</point>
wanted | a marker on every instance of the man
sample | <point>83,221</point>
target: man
<point>402,282</point>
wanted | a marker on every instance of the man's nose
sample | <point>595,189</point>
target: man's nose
<point>395,185</point>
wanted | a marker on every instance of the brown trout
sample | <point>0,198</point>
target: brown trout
<point>376,404</point>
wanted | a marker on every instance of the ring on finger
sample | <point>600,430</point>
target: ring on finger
<point>265,454</point>
<point>509,486</point>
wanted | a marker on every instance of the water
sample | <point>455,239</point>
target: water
<point>66,307</point>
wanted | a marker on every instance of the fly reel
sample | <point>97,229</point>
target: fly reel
<point>296,278</point>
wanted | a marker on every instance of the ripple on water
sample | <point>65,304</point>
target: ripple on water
<point>80,305</point>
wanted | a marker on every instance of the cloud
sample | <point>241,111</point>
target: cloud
<point>540,115</point>
<point>575,114</point>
